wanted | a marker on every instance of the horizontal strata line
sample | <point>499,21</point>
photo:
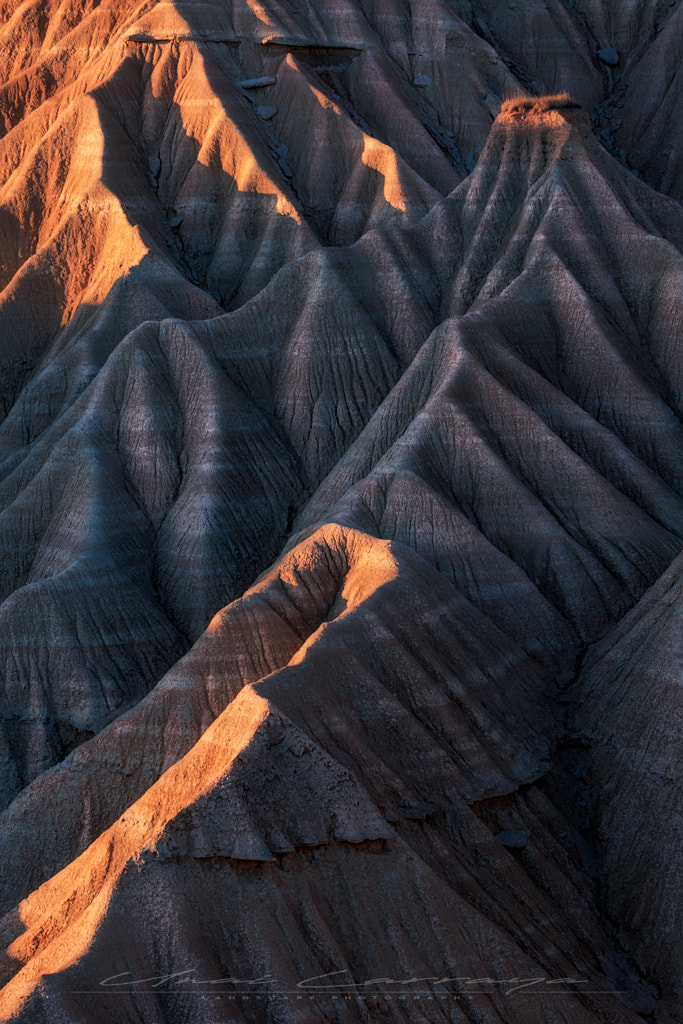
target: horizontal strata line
<point>182,39</point>
<point>141,38</point>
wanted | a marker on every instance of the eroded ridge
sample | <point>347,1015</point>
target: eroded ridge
<point>341,393</point>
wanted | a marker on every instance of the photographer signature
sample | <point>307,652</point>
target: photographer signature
<point>324,983</point>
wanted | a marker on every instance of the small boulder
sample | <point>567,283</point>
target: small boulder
<point>608,55</point>
<point>154,164</point>
<point>515,838</point>
<point>256,83</point>
<point>494,103</point>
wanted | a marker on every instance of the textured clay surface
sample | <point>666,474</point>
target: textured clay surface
<point>341,510</point>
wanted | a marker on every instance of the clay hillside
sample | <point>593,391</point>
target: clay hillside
<point>341,510</point>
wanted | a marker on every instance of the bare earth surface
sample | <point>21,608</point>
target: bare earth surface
<point>341,510</point>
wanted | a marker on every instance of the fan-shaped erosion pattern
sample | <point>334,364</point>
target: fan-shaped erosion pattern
<point>341,510</point>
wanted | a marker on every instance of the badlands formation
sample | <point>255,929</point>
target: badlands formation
<point>341,510</point>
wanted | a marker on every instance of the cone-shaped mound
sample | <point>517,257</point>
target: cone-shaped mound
<point>341,508</point>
